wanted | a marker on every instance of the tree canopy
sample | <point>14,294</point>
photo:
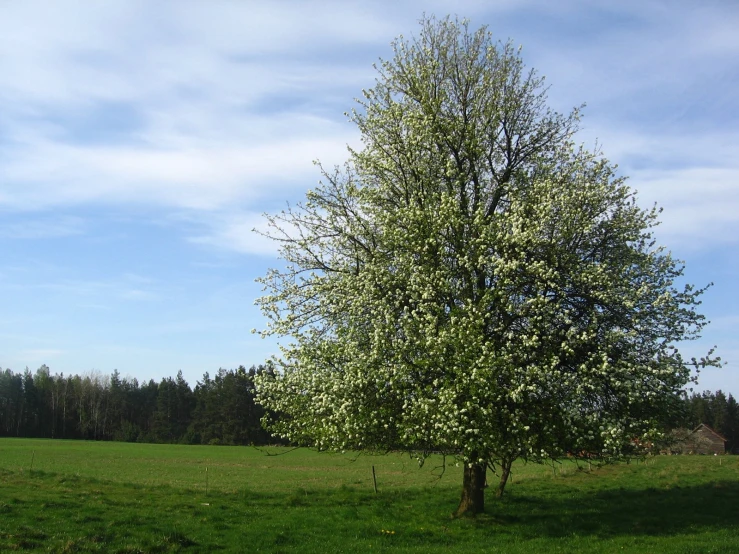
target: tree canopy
<point>471,281</point>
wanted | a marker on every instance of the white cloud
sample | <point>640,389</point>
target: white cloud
<point>693,176</point>
<point>701,205</point>
<point>228,103</point>
<point>220,102</point>
<point>204,177</point>
<point>129,50</point>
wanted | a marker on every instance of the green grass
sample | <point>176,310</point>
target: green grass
<point>119,497</point>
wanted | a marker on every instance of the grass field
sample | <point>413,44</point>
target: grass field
<point>71,496</point>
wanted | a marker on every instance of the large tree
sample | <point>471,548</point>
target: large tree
<point>470,281</point>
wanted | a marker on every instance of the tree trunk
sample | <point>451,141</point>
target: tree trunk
<point>505,467</point>
<point>473,490</point>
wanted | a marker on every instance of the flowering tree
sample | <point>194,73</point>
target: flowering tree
<point>470,282</point>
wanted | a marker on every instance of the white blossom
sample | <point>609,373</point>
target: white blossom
<point>470,281</point>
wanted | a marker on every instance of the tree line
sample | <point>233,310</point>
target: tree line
<point>219,410</point>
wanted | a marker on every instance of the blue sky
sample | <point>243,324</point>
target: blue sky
<point>140,142</point>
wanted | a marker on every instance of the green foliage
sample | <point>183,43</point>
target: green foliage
<point>471,281</point>
<point>226,412</point>
<point>175,403</point>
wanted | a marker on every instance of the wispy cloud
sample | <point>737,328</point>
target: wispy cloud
<point>91,293</point>
<point>138,294</point>
<point>701,205</point>
<point>42,229</point>
<point>660,80</point>
<point>220,108</point>
<point>694,177</point>
<point>236,232</point>
<point>196,107</point>
<point>201,177</point>
<point>215,102</point>
<point>38,355</point>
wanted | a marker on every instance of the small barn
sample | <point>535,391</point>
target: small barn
<point>704,440</point>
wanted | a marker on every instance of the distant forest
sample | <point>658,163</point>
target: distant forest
<point>220,410</point>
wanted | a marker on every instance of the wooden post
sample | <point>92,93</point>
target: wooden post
<point>374,479</point>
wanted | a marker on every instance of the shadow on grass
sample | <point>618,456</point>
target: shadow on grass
<point>652,511</point>
<point>549,512</point>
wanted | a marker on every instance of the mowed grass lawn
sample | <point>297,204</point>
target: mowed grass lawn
<point>119,497</point>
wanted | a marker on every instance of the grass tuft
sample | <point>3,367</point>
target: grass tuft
<point>177,538</point>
